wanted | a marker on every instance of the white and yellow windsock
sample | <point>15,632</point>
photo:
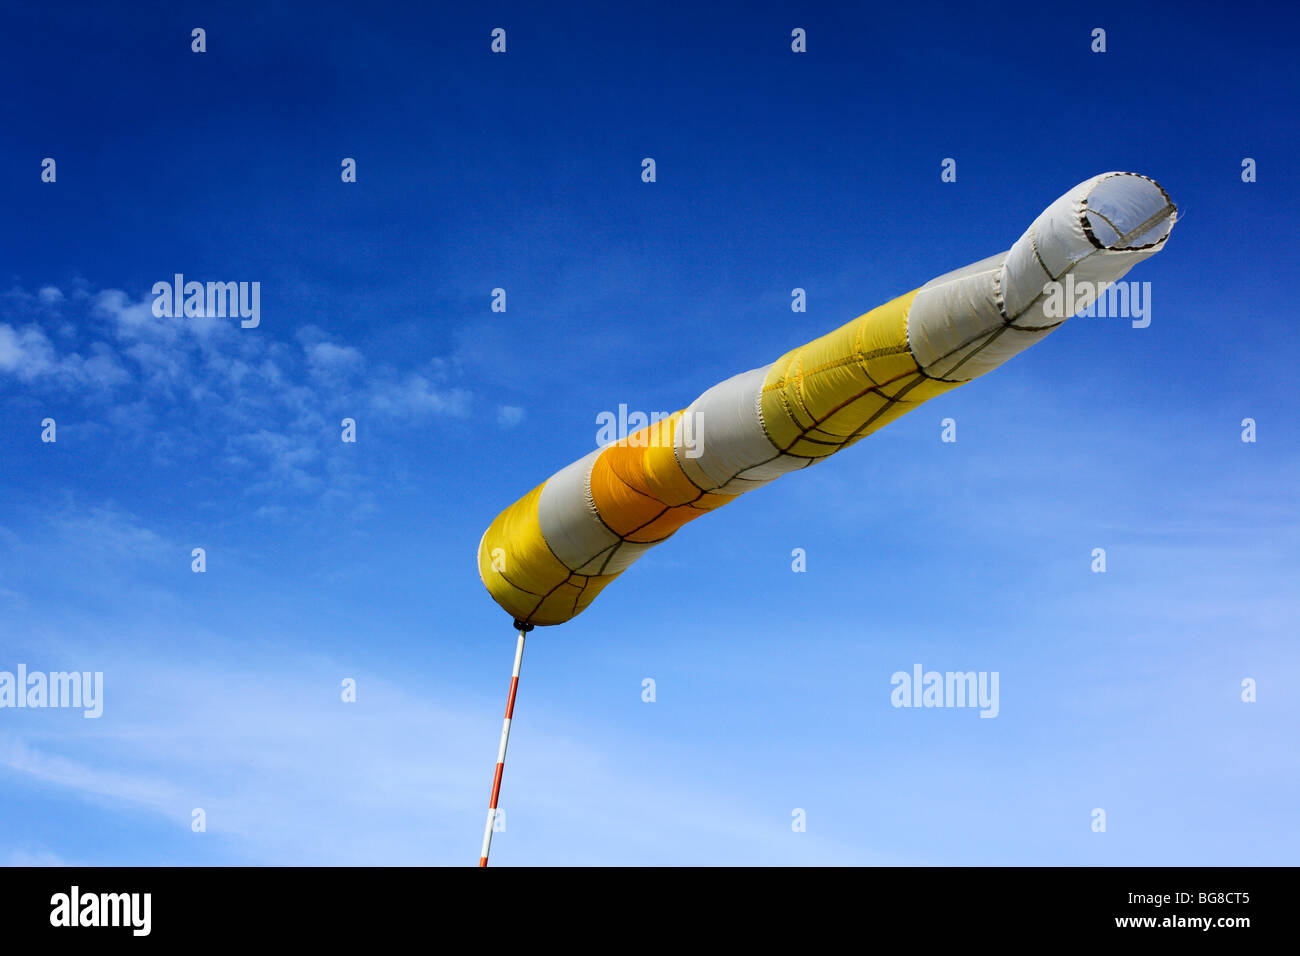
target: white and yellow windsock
<point>546,557</point>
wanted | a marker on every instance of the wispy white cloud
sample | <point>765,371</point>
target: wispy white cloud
<point>106,532</point>
<point>417,395</point>
<point>174,385</point>
<point>48,768</point>
<point>287,773</point>
<point>250,726</point>
<point>26,856</point>
<point>25,352</point>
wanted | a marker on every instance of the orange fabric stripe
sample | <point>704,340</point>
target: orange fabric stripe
<point>640,491</point>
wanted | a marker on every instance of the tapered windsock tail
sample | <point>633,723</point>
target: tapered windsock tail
<point>546,557</point>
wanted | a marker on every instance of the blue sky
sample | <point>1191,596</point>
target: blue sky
<point>775,170</point>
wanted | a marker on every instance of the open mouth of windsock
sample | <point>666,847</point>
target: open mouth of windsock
<point>1128,211</point>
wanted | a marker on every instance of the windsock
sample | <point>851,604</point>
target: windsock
<point>546,557</point>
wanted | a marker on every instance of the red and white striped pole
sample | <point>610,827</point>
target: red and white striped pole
<point>505,738</point>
